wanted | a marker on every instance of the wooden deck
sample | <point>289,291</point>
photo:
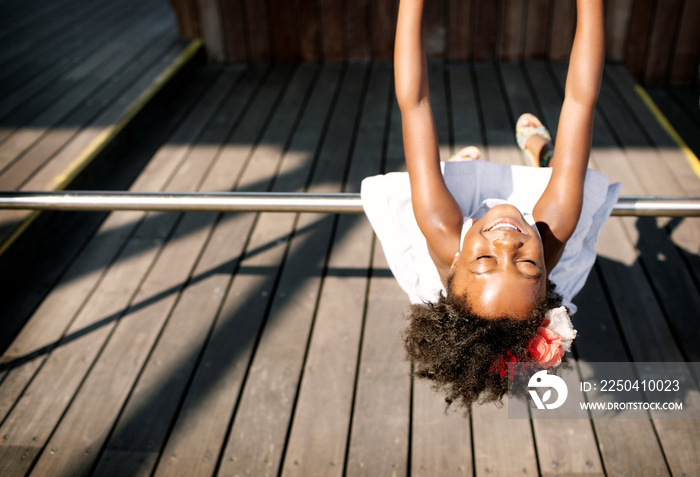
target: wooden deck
<point>72,76</point>
<point>659,42</point>
<point>256,344</point>
<point>269,344</point>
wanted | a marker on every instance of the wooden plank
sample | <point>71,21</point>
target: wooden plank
<point>631,136</point>
<point>671,172</point>
<point>395,159</point>
<point>60,91</point>
<point>627,446</point>
<point>271,386</point>
<point>332,28</point>
<point>285,42</point>
<point>511,42</point>
<point>465,115</point>
<point>549,99</point>
<point>518,93</point>
<point>686,57</point>
<point>51,174</point>
<point>68,162</point>
<point>379,435</point>
<point>379,439</point>
<point>616,453</point>
<point>567,446</point>
<point>537,29</point>
<point>19,38</point>
<point>440,441</point>
<point>563,28</point>
<point>49,323</point>
<point>33,418</point>
<point>639,33</point>
<point>320,429</point>
<point>674,105</point>
<point>65,236</point>
<point>642,319</point>
<point>74,445</point>
<point>552,437</point>
<point>155,398</point>
<point>44,135</point>
<point>214,390</point>
<point>617,26</point>
<point>485,27</point>
<point>685,98</point>
<point>187,16</point>
<point>677,289</point>
<point>165,378</point>
<point>384,14</point>
<point>90,336</point>
<point>438,101</point>
<point>500,135</point>
<point>211,29</point>
<point>143,424</point>
<point>309,30</point>
<point>494,455</point>
<point>234,28</point>
<point>640,303</point>
<point>661,41</point>
<point>258,36</point>
<point>319,434</point>
<point>88,421</point>
<point>358,32</point>
<point>28,84</point>
<point>672,157</point>
<point>14,13</point>
<point>32,48</point>
<point>459,30</point>
<point>434,23</point>
<point>566,442</point>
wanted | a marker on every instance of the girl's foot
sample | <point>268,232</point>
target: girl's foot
<point>534,139</point>
<point>469,153</point>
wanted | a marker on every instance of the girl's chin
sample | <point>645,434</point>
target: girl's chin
<point>503,211</point>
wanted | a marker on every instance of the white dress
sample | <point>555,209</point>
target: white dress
<point>387,203</point>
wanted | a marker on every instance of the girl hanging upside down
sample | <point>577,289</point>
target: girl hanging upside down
<point>489,253</point>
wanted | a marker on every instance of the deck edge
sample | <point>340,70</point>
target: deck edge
<point>110,133</point>
<point>690,157</point>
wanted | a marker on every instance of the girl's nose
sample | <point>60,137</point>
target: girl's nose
<point>509,242</point>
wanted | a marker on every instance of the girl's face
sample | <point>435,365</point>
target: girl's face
<point>501,267</point>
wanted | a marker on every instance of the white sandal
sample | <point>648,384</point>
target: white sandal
<point>524,131</point>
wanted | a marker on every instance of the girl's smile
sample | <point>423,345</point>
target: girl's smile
<point>501,266</point>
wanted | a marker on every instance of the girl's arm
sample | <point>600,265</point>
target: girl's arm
<point>558,210</point>
<point>437,213</point>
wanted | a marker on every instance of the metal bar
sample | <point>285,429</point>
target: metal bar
<point>276,202</point>
<point>183,201</point>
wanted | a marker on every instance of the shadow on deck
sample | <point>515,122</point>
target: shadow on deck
<point>201,344</point>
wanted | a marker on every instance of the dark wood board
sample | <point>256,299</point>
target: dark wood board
<point>319,434</point>
<point>379,439</point>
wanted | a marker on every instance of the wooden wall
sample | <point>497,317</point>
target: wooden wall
<point>659,40</point>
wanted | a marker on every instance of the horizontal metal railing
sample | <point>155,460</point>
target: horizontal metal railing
<point>275,202</point>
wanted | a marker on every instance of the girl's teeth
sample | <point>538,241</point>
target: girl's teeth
<point>505,226</point>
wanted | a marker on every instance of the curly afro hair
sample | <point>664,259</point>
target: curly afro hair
<point>456,350</point>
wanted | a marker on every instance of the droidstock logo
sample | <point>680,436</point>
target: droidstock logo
<point>543,380</point>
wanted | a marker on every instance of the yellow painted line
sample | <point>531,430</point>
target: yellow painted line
<point>690,157</point>
<point>98,144</point>
<point>19,231</point>
<point>108,134</point>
